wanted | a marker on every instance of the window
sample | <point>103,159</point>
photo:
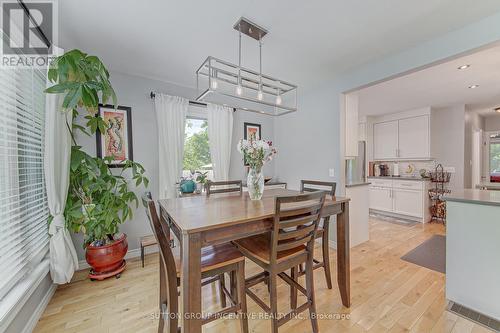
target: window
<point>196,148</point>
<point>23,202</point>
<point>494,157</point>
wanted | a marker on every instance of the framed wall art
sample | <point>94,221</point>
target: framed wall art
<point>251,130</point>
<point>116,141</point>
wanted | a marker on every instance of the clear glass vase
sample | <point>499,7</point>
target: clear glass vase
<point>255,183</point>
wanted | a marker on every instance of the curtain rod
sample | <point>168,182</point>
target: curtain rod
<point>153,95</point>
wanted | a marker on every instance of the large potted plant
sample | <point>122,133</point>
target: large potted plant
<point>98,199</point>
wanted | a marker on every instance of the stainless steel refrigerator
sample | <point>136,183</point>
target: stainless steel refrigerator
<point>355,169</point>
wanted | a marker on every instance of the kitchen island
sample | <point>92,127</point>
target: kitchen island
<point>473,250</point>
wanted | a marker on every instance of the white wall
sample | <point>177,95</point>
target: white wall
<point>492,123</point>
<point>448,140</point>
<point>134,91</point>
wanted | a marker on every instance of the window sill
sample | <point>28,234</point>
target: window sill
<point>14,301</point>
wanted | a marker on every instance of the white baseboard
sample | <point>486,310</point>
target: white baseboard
<point>37,314</point>
<point>131,253</point>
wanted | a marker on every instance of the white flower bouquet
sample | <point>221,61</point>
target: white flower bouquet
<point>256,152</point>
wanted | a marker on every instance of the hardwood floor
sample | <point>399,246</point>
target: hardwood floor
<point>388,295</point>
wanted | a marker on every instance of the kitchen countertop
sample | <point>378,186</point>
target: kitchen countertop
<point>488,186</point>
<point>480,197</point>
<point>357,184</point>
<point>400,178</point>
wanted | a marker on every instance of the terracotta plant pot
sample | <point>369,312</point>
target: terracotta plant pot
<point>107,260</point>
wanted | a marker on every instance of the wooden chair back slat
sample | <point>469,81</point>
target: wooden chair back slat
<point>315,185</point>
<point>290,223</point>
<point>224,187</point>
<point>305,210</point>
<point>166,254</point>
<point>297,233</point>
<point>295,222</point>
<point>283,246</point>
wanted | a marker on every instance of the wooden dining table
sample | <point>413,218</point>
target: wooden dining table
<point>200,221</point>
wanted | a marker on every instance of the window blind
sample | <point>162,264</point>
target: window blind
<point>23,202</point>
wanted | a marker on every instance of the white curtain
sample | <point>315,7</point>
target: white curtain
<point>63,258</point>
<point>220,133</point>
<point>171,114</point>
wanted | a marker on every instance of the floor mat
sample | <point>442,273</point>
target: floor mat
<point>430,254</point>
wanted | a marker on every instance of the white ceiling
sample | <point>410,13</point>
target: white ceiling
<point>440,86</point>
<point>308,40</point>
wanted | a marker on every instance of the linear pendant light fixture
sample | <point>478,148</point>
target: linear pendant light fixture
<point>224,83</point>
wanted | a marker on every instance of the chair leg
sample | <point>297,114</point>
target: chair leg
<point>310,293</point>
<point>326,256</point>
<point>293,290</point>
<point>273,299</point>
<point>241,296</point>
<point>142,255</point>
<point>222,284</point>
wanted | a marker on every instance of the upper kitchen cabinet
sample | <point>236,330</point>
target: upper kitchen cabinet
<point>414,138</point>
<point>404,136</point>
<point>385,140</point>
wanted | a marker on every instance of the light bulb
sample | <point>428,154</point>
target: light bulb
<point>260,96</point>
<point>214,83</point>
<point>239,90</point>
<point>278,100</point>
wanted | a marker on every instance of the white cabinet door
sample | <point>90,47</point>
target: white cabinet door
<point>385,140</point>
<point>414,137</point>
<point>408,202</point>
<point>380,198</point>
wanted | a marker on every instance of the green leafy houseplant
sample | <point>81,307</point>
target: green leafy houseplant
<point>98,200</point>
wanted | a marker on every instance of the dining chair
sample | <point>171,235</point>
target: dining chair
<point>289,244</point>
<point>215,260</point>
<point>224,187</point>
<point>323,229</point>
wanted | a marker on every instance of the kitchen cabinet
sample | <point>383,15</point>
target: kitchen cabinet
<point>414,138</point>
<point>401,198</point>
<point>407,202</point>
<point>385,140</point>
<point>381,198</point>
<point>402,139</point>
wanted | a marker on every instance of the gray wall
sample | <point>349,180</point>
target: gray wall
<point>448,140</point>
<point>134,91</point>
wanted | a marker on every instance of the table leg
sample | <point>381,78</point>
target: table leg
<point>191,283</point>
<point>343,255</point>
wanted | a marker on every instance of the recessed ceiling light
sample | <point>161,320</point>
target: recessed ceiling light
<point>497,109</point>
<point>464,67</point>
<point>474,86</point>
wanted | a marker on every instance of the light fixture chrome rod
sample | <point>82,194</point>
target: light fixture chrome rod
<point>249,79</point>
<point>249,99</point>
<point>239,54</point>
<point>243,69</point>
<point>272,91</point>
<point>260,62</point>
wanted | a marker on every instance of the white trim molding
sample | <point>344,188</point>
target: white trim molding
<point>37,314</point>
<point>14,301</point>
